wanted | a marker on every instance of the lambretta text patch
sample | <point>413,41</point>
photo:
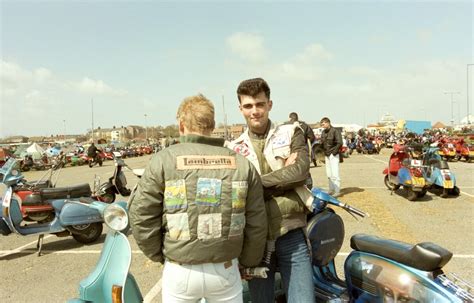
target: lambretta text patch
<point>205,162</point>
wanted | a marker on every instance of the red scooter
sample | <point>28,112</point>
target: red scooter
<point>464,150</point>
<point>404,171</point>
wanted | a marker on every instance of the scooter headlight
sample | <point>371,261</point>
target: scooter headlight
<point>116,217</point>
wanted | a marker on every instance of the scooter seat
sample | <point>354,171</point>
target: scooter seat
<point>424,256</point>
<point>77,191</point>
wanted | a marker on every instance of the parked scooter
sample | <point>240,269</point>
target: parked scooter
<point>375,270</point>
<point>72,217</point>
<point>437,173</point>
<point>36,197</point>
<point>117,184</point>
<point>447,151</point>
<point>405,171</point>
<point>464,150</point>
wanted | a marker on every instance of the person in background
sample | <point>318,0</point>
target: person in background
<point>332,141</point>
<point>309,135</point>
<point>280,154</point>
<point>199,209</point>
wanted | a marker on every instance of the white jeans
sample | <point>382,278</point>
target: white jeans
<point>332,172</point>
<point>215,282</point>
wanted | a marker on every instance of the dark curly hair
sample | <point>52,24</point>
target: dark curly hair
<point>253,87</point>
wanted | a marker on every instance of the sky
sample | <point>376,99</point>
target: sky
<point>133,62</point>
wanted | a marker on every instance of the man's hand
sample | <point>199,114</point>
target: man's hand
<point>243,275</point>
<point>291,159</point>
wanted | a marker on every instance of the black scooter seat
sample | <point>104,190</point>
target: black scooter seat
<point>426,256</point>
<point>77,191</point>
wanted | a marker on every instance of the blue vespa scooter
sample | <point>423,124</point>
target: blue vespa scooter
<point>377,270</point>
<point>437,173</point>
<point>71,216</point>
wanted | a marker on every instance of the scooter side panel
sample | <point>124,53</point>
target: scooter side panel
<point>74,213</point>
<point>371,278</point>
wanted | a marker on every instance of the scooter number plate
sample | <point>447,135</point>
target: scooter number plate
<point>418,181</point>
<point>448,184</point>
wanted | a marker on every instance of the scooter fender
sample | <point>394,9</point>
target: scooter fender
<point>111,270</point>
<point>370,278</point>
<point>75,213</point>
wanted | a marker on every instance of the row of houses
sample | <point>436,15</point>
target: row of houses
<point>120,134</point>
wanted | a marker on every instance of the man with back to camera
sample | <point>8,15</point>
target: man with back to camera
<point>199,208</point>
<point>331,140</point>
<point>309,135</point>
<point>280,154</point>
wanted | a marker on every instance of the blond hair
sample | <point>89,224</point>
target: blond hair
<point>197,114</point>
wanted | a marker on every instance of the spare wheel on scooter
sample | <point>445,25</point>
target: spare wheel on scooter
<point>326,233</point>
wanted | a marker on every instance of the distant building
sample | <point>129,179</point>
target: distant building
<point>233,131</point>
<point>387,120</point>
<point>15,140</point>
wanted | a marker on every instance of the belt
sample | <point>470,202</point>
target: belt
<point>226,264</point>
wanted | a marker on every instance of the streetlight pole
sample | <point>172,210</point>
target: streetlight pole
<point>92,107</point>
<point>146,130</point>
<point>467,92</point>
<point>64,123</point>
<point>226,135</point>
<point>452,102</point>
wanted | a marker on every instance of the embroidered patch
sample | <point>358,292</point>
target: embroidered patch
<point>242,149</point>
<point>209,226</point>
<point>237,224</point>
<point>205,162</point>
<point>281,140</point>
<point>239,194</point>
<point>208,191</point>
<point>175,194</point>
<point>178,226</point>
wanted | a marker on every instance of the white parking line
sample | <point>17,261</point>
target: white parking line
<point>372,158</point>
<point>154,291</point>
<point>5,253</point>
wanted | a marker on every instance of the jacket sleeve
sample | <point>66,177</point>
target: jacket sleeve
<point>256,227</point>
<point>309,133</point>
<point>338,141</point>
<point>294,175</point>
<point>146,211</point>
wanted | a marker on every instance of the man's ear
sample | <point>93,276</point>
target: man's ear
<point>181,127</point>
<point>270,104</point>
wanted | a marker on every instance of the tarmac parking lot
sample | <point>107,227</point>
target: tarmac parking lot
<point>54,276</point>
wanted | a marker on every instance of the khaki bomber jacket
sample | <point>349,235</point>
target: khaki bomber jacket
<point>285,207</point>
<point>199,202</point>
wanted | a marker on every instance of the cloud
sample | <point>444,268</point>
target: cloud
<point>308,65</point>
<point>248,46</point>
<point>424,35</point>
<point>91,86</point>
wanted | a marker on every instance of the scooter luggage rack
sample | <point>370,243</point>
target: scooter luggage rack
<point>458,286</point>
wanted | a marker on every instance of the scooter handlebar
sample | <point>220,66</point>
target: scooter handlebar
<point>348,208</point>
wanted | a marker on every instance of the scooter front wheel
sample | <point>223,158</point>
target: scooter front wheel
<point>86,233</point>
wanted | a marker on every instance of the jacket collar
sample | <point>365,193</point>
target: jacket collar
<point>201,140</point>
